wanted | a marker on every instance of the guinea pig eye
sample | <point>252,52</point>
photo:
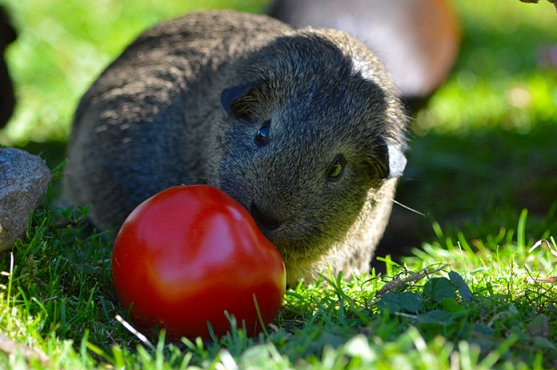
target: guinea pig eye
<point>336,169</point>
<point>262,136</point>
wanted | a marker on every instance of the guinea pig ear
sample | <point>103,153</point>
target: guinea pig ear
<point>391,161</point>
<point>239,100</point>
<point>397,161</point>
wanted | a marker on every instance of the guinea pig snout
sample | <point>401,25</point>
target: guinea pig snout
<point>264,220</point>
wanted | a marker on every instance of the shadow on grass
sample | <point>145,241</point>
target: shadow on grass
<point>485,176</point>
<point>54,153</point>
<point>479,182</point>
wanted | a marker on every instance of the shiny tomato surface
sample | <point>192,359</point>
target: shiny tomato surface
<point>188,254</point>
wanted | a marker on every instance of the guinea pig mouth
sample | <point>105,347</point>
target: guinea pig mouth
<point>292,245</point>
<point>267,223</point>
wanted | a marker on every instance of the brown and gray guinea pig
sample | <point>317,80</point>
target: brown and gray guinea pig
<point>301,127</point>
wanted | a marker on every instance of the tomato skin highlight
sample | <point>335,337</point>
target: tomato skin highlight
<point>189,253</point>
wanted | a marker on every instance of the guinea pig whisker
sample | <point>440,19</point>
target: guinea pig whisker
<point>408,208</point>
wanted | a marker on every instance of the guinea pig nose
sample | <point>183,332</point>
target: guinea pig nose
<point>264,221</point>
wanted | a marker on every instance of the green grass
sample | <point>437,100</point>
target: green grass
<point>482,168</point>
<point>477,307</point>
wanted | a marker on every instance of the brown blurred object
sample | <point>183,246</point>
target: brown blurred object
<point>7,97</point>
<point>417,40</point>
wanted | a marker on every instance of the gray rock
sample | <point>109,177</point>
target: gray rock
<point>23,180</point>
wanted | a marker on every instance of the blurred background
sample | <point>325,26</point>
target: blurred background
<point>482,148</point>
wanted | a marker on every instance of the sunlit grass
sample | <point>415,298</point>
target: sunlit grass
<point>56,300</point>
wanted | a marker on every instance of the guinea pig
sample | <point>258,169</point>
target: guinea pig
<point>301,127</point>
<point>7,95</point>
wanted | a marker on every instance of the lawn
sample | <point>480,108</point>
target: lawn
<point>455,282</point>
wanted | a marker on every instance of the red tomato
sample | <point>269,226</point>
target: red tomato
<point>188,254</point>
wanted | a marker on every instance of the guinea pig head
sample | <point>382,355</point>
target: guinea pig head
<point>305,148</point>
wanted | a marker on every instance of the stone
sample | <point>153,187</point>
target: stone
<point>23,180</point>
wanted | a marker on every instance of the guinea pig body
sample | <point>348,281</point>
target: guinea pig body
<point>302,128</point>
